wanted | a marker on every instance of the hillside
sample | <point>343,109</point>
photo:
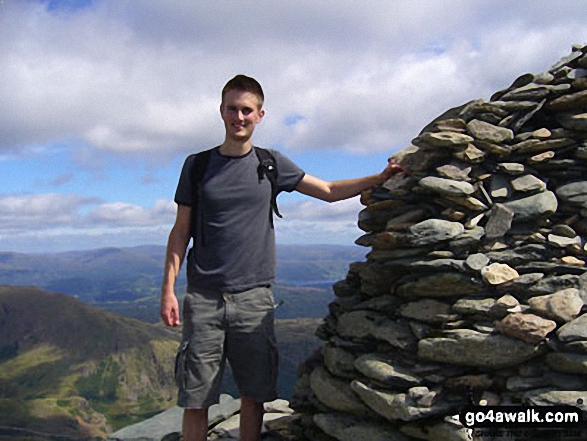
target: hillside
<point>71,369</point>
<point>75,370</point>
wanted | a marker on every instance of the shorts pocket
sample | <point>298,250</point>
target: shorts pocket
<point>258,299</point>
<point>181,365</point>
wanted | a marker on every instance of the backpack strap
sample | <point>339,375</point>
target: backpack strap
<point>201,161</point>
<point>268,167</point>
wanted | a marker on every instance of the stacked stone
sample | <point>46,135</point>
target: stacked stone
<point>474,288</point>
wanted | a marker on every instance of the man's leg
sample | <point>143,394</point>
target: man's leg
<point>195,424</point>
<point>251,420</point>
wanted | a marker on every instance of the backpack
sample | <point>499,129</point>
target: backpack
<point>267,168</point>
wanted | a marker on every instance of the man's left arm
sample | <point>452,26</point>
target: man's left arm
<point>332,191</point>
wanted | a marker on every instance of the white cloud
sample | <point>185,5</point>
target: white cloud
<point>311,221</point>
<point>39,211</point>
<point>119,214</point>
<point>369,75</point>
<point>53,213</point>
<point>142,80</point>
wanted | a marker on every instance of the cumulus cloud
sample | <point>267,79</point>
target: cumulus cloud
<point>28,214</point>
<point>141,80</point>
<point>358,76</point>
<point>123,214</point>
<point>310,221</point>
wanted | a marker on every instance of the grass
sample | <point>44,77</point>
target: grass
<point>24,363</point>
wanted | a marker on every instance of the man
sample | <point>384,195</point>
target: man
<point>228,309</point>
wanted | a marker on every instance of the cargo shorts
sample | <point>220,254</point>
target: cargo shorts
<point>238,327</point>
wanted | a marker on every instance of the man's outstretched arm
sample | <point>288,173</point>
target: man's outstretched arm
<point>177,244</point>
<point>339,190</point>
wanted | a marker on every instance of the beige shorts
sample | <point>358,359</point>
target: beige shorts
<point>238,327</point>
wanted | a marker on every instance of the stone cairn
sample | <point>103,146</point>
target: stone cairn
<point>473,292</point>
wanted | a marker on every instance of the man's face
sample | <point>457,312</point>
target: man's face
<point>241,112</point>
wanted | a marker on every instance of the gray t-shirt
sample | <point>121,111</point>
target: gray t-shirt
<point>239,250</point>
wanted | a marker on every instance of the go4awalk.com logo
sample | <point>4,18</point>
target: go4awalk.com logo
<point>517,416</point>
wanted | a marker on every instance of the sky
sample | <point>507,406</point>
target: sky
<point>102,100</point>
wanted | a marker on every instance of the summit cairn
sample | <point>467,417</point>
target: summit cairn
<point>473,292</point>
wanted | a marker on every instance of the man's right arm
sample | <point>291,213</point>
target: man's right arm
<point>177,244</point>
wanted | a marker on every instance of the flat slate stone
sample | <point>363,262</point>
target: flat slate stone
<point>434,230</point>
<point>484,131</point>
<point>532,207</point>
<point>472,348</point>
<point>445,186</point>
<point>574,330</point>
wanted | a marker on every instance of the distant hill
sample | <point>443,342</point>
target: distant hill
<point>74,370</point>
<point>68,369</point>
<point>127,280</point>
<point>110,274</point>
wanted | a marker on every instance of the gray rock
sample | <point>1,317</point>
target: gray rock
<point>448,187</point>
<point>564,230</point>
<point>528,183</point>
<point>427,310</point>
<point>567,362</point>
<point>447,284</point>
<point>500,221</point>
<point>562,306</point>
<point>339,361</point>
<point>472,348</point>
<point>557,398</point>
<point>483,131</point>
<point>170,421</point>
<point>385,372</point>
<point>477,261</point>
<point>563,241</point>
<point>369,324</point>
<point>569,102</point>
<point>574,330</point>
<point>152,429</point>
<point>442,139</point>
<point>395,407</point>
<point>434,230</point>
<point>532,207</point>
<point>473,306</point>
<point>336,393</point>
<point>574,193</point>
<point>457,171</point>
<point>512,168</point>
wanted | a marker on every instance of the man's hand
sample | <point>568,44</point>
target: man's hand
<point>169,309</point>
<point>391,169</point>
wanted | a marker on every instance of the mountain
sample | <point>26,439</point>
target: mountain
<point>127,280</point>
<point>71,369</point>
<point>95,276</point>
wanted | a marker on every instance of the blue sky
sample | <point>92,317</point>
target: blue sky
<point>102,100</point>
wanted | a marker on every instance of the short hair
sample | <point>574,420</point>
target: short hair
<point>243,83</point>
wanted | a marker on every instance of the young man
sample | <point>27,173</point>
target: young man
<point>228,309</point>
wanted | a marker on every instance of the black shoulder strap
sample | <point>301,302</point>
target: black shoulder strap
<point>201,161</point>
<point>268,167</point>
